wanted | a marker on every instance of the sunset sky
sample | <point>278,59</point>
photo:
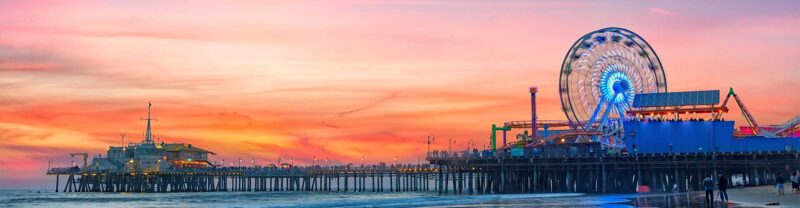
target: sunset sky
<point>345,80</point>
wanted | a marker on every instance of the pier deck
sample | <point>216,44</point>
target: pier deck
<point>611,174</point>
<point>463,174</point>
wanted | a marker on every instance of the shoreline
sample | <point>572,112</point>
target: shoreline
<point>757,196</point>
<point>761,195</point>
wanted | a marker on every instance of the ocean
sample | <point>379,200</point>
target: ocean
<point>42,198</point>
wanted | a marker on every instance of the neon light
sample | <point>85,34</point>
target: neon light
<point>615,86</point>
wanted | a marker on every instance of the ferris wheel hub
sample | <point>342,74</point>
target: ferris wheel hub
<point>621,86</point>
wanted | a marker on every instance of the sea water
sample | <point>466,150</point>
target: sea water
<point>42,198</point>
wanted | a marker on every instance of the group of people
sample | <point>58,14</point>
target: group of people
<point>794,179</point>
<point>678,119</point>
<point>721,185</point>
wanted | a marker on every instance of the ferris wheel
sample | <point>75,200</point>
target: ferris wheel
<point>600,75</point>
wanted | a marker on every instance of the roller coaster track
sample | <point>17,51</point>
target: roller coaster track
<point>787,127</point>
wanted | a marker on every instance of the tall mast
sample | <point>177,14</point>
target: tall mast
<point>148,136</point>
<point>123,138</point>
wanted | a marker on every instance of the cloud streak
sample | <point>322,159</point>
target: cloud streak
<point>342,81</point>
<point>661,11</point>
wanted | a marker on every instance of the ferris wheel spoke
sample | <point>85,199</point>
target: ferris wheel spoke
<point>594,114</point>
<point>620,110</point>
<point>628,100</point>
<point>605,113</point>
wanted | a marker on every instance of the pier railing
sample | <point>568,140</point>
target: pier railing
<point>256,170</point>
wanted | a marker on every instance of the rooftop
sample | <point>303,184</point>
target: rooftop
<point>672,99</point>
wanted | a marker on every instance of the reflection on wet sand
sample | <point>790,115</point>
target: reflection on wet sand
<point>690,199</point>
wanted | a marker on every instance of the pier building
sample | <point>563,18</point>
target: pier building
<point>149,155</point>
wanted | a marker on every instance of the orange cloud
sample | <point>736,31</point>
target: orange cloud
<point>341,81</point>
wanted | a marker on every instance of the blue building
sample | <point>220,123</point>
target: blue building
<point>668,123</point>
<point>689,136</point>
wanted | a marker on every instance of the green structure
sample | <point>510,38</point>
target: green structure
<point>494,135</point>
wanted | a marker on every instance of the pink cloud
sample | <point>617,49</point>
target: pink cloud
<point>662,11</point>
<point>340,80</point>
<point>26,66</point>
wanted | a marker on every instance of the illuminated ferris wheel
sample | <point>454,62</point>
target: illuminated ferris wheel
<point>600,75</point>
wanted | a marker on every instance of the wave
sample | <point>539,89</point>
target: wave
<point>299,199</point>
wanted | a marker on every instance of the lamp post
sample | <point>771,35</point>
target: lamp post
<point>417,151</point>
<point>450,144</point>
<point>430,139</point>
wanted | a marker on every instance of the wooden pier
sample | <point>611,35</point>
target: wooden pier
<point>458,174</point>
<point>606,174</point>
<point>374,178</point>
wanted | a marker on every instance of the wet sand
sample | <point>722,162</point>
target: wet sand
<point>761,195</point>
<point>684,199</point>
<point>748,197</point>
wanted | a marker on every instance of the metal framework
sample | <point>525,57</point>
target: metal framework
<point>747,116</point>
<point>770,131</point>
<point>600,74</point>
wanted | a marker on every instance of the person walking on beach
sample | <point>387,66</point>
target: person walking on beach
<point>795,182</point>
<point>780,181</point>
<point>722,186</point>
<point>708,185</point>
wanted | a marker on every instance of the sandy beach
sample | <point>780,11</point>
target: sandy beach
<point>761,195</point>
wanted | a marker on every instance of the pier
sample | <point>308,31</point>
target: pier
<point>372,178</point>
<point>458,174</point>
<point>584,173</point>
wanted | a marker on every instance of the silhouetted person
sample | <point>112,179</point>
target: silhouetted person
<point>722,186</point>
<point>795,182</point>
<point>780,181</point>
<point>708,185</point>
